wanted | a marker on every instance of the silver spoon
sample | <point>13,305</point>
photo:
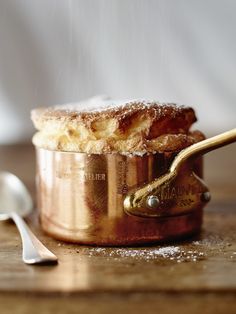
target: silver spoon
<point>15,203</point>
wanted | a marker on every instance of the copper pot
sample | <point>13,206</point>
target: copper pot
<point>81,198</point>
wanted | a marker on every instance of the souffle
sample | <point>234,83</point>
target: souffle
<point>133,127</point>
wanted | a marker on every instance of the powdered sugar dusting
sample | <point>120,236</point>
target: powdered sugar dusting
<point>103,103</point>
<point>94,104</point>
<point>138,253</point>
<point>172,253</point>
<point>151,253</point>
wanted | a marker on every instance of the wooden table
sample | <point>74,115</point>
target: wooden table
<point>199,278</point>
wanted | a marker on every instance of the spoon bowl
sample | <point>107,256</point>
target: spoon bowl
<point>14,197</point>
<point>16,203</point>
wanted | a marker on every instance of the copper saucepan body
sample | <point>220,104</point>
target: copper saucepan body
<point>81,198</point>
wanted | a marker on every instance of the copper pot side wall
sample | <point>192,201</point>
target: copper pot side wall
<point>80,198</point>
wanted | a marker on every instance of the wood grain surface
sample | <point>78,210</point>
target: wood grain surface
<point>199,278</point>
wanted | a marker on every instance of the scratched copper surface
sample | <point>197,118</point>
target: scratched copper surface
<point>80,198</point>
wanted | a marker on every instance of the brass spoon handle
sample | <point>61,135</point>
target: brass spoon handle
<point>203,147</point>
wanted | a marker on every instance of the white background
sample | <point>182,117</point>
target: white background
<point>58,51</point>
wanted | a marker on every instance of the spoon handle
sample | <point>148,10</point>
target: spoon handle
<point>34,252</point>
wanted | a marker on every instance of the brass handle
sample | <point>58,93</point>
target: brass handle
<point>203,147</point>
<point>145,201</point>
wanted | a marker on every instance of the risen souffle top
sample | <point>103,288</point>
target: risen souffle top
<point>133,127</point>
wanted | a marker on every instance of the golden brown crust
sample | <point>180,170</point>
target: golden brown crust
<point>137,126</point>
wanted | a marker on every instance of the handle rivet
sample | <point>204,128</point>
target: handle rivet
<point>153,201</point>
<point>206,196</point>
